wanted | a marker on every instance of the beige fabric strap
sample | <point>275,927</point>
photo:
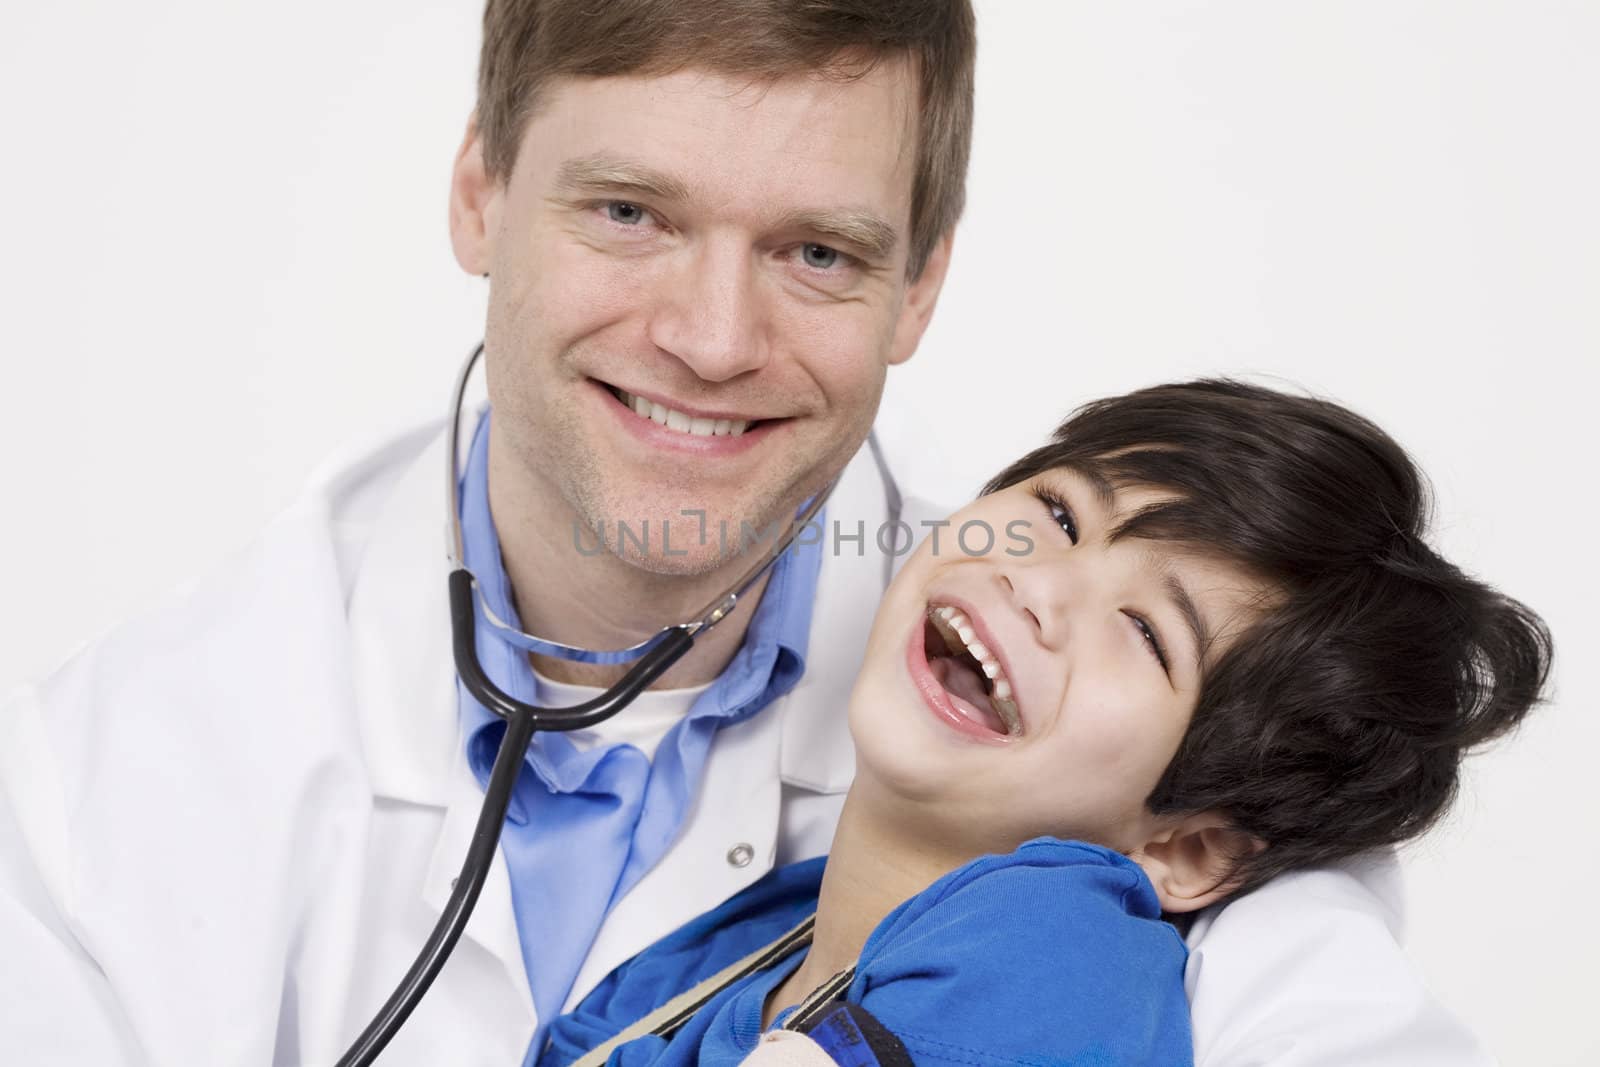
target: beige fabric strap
<point>785,1048</point>
<point>818,1001</point>
<point>666,1019</point>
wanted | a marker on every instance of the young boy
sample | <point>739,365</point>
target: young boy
<point>1205,644</point>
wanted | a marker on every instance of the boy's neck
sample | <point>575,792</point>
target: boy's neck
<point>872,869</point>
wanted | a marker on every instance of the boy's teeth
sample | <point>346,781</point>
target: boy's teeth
<point>959,636</point>
<point>677,420</point>
<point>1006,708</point>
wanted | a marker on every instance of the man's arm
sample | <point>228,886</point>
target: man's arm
<point>1307,971</point>
<point>56,1006</point>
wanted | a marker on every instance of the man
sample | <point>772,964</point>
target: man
<point>708,230</point>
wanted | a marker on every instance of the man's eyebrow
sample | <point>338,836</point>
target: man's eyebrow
<point>604,173</point>
<point>1191,615</point>
<point>861,231</point>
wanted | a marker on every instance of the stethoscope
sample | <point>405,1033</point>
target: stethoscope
<point>654,655</point>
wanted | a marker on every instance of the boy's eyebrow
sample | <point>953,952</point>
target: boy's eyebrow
<point>1105,490</point>
<point>601,172</point>
<point>1190,611</point>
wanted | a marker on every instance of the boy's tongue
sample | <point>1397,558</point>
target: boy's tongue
<point>966,691</point>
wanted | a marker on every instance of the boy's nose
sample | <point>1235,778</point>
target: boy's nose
<point>710,315</point>
<point>1046,587</point>
<point>1016,600</point>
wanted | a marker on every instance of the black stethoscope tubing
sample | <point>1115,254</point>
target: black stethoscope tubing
<point>522,720</point>
<point>661,651</point>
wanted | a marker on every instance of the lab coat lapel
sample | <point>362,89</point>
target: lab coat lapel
<point>740,782</point>
<point>817,753</point>
<point>406,696</point>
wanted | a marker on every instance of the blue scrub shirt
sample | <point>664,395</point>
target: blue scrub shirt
<point>1053,954</point>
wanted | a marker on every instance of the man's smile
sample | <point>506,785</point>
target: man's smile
<point>668,425</point>
<point>684,418</point>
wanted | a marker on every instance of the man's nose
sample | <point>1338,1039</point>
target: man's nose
<point>709,314</point>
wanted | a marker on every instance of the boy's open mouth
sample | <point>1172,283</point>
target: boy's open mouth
<point>968,671</point>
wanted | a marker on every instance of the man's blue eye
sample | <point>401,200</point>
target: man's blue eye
<point>620,211</point>
<point>820,256</point>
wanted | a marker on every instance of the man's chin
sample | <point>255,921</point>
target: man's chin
<point>693,564</point>
<point>687,543</point>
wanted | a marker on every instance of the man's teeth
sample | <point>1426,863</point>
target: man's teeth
<point>959,636</point>
<point>677,420</point>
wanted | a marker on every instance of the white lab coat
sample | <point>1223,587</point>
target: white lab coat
<point>227,828</point>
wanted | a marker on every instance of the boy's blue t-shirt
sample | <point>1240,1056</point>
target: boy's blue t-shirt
<point>1053,954</point>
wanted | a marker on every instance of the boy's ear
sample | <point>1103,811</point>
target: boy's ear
<point>1191,862</point>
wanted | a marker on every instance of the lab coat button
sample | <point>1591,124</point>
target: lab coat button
<point>740,855</point>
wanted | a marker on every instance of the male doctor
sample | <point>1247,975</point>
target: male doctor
<point>709,228</point>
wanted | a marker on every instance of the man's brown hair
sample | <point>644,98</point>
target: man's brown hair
<point>526,43</point>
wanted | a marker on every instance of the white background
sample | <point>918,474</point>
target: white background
<point>226,256</point>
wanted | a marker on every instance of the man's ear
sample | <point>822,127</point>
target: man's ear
<point>921,296</point>
<point>474,205</point>
<point>1191,862</point>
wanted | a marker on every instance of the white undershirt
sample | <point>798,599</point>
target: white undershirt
<point>641,724</point>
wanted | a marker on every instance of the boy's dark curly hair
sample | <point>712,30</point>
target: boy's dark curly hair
<point>1338,720</point>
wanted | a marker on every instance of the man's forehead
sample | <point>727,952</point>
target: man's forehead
<point>796,132</point>
<point>895,74</point>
